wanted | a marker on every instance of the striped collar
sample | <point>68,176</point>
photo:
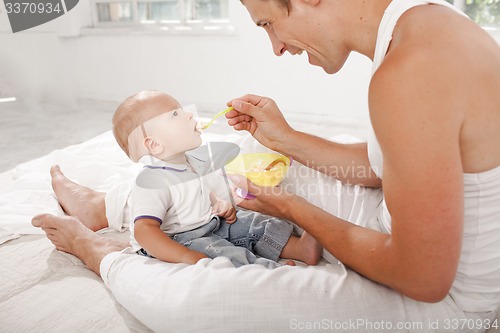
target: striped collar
<point>152,162</point>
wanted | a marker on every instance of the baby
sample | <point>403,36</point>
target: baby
<point>176,217</point>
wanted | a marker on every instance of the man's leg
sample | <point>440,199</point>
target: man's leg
<point>70,235</point>
<point>79,201</point>
<point>198,298</point>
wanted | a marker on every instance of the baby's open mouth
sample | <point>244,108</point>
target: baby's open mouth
<point>198,128</point>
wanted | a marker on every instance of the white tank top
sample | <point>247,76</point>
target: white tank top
<point>477,284</point>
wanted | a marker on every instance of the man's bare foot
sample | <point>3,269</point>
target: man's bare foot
<point>79,201</point>
<point>70,235</point>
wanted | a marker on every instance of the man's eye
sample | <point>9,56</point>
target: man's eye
<point>264,24</point>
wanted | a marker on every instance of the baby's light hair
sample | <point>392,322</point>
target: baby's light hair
<point>134,112</point>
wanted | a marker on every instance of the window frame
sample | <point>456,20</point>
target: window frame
<point>181,26</point>
<point>462,5</point>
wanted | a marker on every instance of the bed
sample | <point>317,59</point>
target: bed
<point>43,290</point>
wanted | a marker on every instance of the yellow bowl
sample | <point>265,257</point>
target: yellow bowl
<point>252,167</point>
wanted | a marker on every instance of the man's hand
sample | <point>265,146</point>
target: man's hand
<point>225,210</point>
<point>269,200</point>
<point>261,117</point>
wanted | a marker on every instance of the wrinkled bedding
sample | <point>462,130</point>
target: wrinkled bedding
<point>44,290</point>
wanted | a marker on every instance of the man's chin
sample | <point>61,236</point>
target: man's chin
<point>329,70</point>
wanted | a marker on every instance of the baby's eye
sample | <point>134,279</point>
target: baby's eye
<point>175,114</point>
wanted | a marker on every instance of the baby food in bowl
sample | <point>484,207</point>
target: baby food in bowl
<point>263,169</point>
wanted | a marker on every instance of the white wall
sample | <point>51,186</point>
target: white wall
<point>210,70</point>
<point>35,65</point>
<point>206,70</point>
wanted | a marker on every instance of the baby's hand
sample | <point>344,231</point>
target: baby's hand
<point>226,210</point>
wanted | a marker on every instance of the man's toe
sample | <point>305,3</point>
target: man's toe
<point>42,221</point>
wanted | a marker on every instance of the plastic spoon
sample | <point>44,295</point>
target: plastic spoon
<point>204,127</point>
<point>274,163</point>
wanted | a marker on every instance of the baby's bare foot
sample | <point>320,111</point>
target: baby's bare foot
<point>70,235</point>
<point>79,201</point>
<point>312,249</point>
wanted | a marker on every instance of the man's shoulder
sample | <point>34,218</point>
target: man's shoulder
<point>412,72</point>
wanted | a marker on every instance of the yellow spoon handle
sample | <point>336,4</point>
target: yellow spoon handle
<point>217,116</point>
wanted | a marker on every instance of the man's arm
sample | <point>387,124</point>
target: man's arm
<point>346,162</point>
<point>418,115</point>
<point>148,234</point>
<point>262,118</point>
<point>417,123</point>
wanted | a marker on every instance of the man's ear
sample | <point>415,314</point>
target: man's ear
<point>153,147</point>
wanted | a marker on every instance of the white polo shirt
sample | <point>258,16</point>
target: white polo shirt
<point>176,195</point>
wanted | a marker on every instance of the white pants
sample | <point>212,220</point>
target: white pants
<point>213,296</point>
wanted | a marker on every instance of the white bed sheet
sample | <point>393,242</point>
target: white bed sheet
<point>43,290</point>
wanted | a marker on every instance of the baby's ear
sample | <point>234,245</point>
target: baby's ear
<point>152,146</point>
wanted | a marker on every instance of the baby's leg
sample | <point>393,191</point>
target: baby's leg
<point>211,239</point>
<point>306,249</point>
<point>215,246</point>
<point>263,235</point>
<point>272,238</point>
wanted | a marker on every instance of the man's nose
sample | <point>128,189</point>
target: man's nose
<point>279,47</point>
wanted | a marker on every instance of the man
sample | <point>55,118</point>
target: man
<point>434,106</point>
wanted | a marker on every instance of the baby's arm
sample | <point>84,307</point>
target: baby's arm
<point>148,234</point>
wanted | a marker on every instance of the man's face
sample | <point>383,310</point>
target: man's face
<point>300,29</point>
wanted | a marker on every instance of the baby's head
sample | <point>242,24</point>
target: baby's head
<point>154,123</point>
